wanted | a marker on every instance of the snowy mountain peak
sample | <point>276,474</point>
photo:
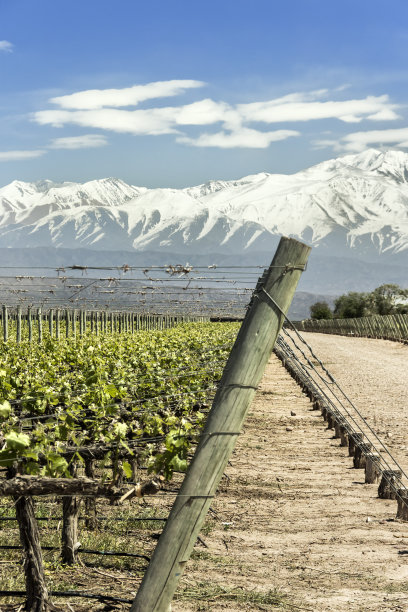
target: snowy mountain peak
<point>356,204</point>
<point>392,164</point>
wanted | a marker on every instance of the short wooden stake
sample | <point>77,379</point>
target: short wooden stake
<point>372,468</point>
<point>70,513</point>
<point>337,428</point>
<point>402,500</point>
<point>90,502</point>
<point>354,440</point>
<point>360,455</point>
<point>387,487</point>
<point>330,421</point>
<point>344,436</point>
<point>70,516</point>
<point>36,589</point>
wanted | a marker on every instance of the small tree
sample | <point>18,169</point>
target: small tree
<point>388,299</point>
<point>352,305</point>
<point>320,310</point>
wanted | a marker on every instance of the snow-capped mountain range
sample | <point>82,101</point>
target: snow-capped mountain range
<point>355,206</point>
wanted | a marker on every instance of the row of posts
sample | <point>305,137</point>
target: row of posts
<point>359,447</point>
<point>71,322</point>
<point>388,327</point>
<point>365,458</point>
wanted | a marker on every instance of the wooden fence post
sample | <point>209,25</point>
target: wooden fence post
<point>36,589</point>
<point>39,317</point>
<point>30,324</point>
<point>51,322</point>
<point>57,324</point>
<point>73,322</point>
<point>18,330</point>
<point>239,382</point>
<point>5,323</point>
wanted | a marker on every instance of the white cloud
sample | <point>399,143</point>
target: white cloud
<point>152,121</point>
<point>298,107</point>
<point>103,110</point>
<point>20,155</point>
<point>204,112</point>
<point>359,141</point>
<point>129,96</point>
<point>241,138</point>
<point>86,141</point>
<point>6,46</point>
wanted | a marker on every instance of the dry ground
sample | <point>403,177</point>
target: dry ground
<point>295,517</point>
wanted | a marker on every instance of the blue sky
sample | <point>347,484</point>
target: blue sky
<point>174,93</point>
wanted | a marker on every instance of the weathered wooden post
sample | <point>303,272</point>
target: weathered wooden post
<point>355,439</point>
<point>388,485</point>
<point>360,455</point>
<point>18,330</point>
<point>51,322</point>
<point>372,468</point>
<point>39,317</point>
<point>36,589</point>
<point>81,322</point>
<point>90,502</point>
<point>73,321</point>
<point>69,543</point>
<point>344,435</point>
<point>239,382</point>
<point>5,323</point>
<point>67,323</point>
<point>30,324</point>
<point>57,324</point>
<point>69,531</point>
<point>402,500</point>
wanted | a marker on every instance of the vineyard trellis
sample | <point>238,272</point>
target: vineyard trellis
<point>96,437</point>
<point>154,422</point>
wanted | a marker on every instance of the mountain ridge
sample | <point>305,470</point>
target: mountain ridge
<point>352,206</point>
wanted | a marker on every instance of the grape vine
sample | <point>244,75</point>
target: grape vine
<point>128,397</point>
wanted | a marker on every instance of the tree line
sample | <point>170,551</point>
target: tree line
<point>384,300</point>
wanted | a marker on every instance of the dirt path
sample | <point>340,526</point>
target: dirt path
<point>294,525</point>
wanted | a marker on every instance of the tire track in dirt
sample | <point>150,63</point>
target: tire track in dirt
<point>293,515</point>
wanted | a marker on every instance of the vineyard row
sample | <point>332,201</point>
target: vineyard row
<point>33,323</point>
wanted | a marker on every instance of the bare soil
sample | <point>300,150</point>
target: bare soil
<point>294,519</point>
